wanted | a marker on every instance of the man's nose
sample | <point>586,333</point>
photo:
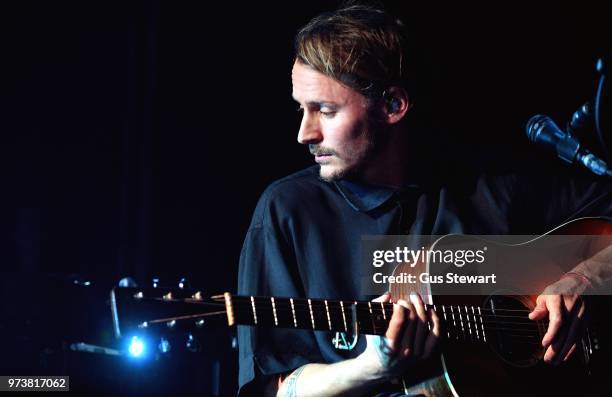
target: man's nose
<point>310,131</point>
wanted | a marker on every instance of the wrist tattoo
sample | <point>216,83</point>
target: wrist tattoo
<point>291,389</point>
<point>384,352</point>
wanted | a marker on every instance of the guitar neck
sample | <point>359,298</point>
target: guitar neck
<point>364,317</point>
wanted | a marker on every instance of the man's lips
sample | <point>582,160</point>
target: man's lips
<point>322,158</point>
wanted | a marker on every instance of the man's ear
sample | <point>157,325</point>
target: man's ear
<point>395,104</point>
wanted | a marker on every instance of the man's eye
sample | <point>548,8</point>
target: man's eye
<point>327,113</point>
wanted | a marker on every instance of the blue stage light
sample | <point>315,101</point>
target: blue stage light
<point>164,346</point>
<point>137,347</point>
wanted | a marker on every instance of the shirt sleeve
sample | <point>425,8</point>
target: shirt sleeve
<point>268,267</point>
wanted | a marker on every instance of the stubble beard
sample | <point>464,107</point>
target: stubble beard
<point>363,157</point>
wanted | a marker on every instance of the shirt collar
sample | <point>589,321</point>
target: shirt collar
<point>363,197</point>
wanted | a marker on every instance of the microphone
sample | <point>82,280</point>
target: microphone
<point>542,130</point>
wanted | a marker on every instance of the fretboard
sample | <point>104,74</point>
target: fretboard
<point>465,323</point>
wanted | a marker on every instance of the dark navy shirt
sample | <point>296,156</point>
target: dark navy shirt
<point>304,241</point>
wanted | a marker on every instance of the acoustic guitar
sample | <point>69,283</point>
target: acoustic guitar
<point>489,346</point>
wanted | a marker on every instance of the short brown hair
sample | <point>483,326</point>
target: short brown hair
<point>358,45</point>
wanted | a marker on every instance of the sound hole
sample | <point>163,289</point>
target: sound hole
<point>510,333</point>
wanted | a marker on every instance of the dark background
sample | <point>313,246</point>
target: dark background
<point>136,137</point>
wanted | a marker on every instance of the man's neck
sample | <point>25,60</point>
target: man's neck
<point>389,173</point>
<point>390,166</point>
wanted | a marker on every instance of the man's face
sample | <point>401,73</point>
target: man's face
<point>336,123</point>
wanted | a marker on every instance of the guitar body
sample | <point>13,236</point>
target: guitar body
<point>511,364</point>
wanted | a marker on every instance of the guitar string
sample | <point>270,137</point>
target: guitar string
<point>467,321</point>
<point>265,302</point>
<point>456,335</point>
<point>531,333</point>
<point>473,319</point>
<point>533,330</point>
<point>186,317</point>
<point>280,308</point>
<point>302,302</point>
<point>383,325</point>
<point>361,304</point>
<point>321,305</point>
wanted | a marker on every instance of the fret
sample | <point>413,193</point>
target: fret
<point>372,317</point>
<point>456,328</point>
<point>293,313</point>
<point>311,315</point>
<point>327,311</point>
<point>339,314</point>
<point>319,312</point>
<point>335,314</point>
<point>254,311</point>
<point>274,311</point>
<point>302,313</point>
<point>343,316</point>
<point>382,305</point>
<point>378,317</point>
<point>288,313</point>
<point>242,310</point>
<point>365,318</point>
<point>429,323</point>
<point>467,315</point>
<point>264,311</point>
<point>284,316</point>
<point>484,336</point>
<point>454,321</point>
<point>475,323</point>
<point>461,322</point>
<point>448,335</point>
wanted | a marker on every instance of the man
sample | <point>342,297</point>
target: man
<point>353,80</point>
